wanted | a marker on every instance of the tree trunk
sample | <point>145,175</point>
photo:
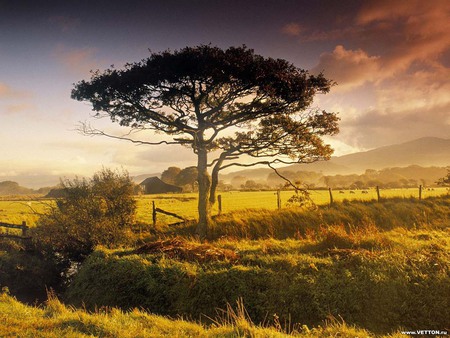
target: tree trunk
<point>214,181</point>
<point>204,184</point>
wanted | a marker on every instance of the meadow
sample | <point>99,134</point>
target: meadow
<point>15,209</point>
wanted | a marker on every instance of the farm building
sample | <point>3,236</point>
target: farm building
<point>153,185</point>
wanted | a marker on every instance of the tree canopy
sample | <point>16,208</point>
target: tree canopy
<point>232,101</point>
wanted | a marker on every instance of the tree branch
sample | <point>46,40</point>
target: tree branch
<point>87,130</point>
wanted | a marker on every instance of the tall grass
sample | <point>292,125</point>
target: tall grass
<point>297,222</point>
<point>55,320</point>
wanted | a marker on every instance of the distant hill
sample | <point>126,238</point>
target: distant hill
<point>425,152</point>
<point>13,188</point>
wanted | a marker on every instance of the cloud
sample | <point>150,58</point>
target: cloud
<point>293,29</point>
<point>377,128</point>
<point>7,92</point>
<point>77,60</point>
<point>349,68</point>
<point>418,30</point>
<point>158,156</point>
<point>19,108</point>
<point>392,37</point>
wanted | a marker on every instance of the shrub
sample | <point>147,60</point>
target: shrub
<point>96,211</point>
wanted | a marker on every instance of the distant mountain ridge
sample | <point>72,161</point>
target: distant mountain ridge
<point>426,152</point>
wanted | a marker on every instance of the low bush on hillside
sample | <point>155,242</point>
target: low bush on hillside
<point>403,281</point>
<point>98,211</point>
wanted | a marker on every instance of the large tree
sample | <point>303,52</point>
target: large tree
<point>232,101</point>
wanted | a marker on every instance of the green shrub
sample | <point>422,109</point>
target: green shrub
<point>98,211</point>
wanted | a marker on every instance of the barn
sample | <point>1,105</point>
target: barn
<point>153,185</point>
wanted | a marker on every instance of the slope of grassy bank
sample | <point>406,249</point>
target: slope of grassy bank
<point>54,320</point>
<point>381,281</point>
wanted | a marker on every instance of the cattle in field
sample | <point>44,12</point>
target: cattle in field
<point>352,192</point>
<point>364,192</point>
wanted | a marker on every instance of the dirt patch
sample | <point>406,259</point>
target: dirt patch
<point>180,249</point>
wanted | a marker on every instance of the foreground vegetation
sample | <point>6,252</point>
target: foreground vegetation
<point>55,320</point>
<point>379,281</point>
<point>382,266</point>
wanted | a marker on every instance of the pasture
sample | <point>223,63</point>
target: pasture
<point>15,209</point>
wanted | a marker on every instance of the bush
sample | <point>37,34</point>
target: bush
<point>96,211</point>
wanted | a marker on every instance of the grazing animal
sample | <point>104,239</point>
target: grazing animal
<point>341,192</point>
<point>364,192</point>
<point>352,192</point>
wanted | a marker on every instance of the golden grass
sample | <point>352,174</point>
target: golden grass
<point>55,320</point>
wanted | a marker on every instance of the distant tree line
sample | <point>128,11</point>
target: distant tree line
<point>407,177</point>
<point>185,178</point>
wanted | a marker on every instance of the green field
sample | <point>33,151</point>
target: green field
<point>15,210</point>
<point>186,204</point>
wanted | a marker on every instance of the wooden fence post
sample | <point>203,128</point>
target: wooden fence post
<point>219,201</point>
<point>331,196</point>
<point>278,199</point>
<point>24,229</point>
<point>378,193</point>
<point>420,192</point>
<point>154,213</point>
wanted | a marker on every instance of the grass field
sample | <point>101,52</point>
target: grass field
<point>186,204</point>
<point>15,210</point>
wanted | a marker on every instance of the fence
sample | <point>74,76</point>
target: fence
<point>377,189</point>
<point>22,227</point>
<point>156,210</point>
<point>185,206</point>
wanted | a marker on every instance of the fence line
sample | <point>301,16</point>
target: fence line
<point>22,227</point>
<point>155,210</point>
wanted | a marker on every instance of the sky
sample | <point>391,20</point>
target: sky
<point>389,58</point>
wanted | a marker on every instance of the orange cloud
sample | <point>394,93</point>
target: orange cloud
<point>417,30</point>
<point>349,68</point>
<point>6,91</point>
<point>292,28</point>
<point>79,61</point>
<point>18,108</point>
